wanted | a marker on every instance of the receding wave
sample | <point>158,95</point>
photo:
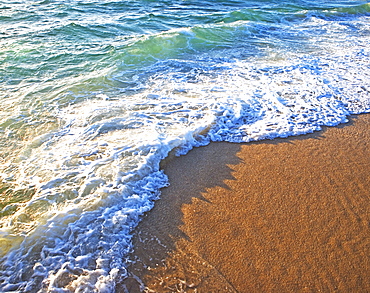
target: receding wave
<point>83,131</point>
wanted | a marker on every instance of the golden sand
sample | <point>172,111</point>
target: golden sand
<point>287,215</point>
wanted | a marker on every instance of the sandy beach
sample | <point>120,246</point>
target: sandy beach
<point>286,215</point>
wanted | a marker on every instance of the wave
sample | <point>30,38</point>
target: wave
<point>81,152</point>
<point>95,177</point>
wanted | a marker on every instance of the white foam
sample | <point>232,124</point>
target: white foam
<point>98,173</point>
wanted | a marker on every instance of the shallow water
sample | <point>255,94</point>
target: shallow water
<point>94,94</point>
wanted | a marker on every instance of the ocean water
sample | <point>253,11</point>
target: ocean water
<point>94,94</point>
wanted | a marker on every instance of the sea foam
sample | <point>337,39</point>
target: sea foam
<point>99,172</point>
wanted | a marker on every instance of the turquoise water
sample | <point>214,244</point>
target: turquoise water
<point>94,94</point>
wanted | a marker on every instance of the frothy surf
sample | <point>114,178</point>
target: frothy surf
<point>75,185</point>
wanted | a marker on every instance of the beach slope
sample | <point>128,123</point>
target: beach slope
<point>286,215</point>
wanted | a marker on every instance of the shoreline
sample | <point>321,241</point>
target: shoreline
<point>283,215</point>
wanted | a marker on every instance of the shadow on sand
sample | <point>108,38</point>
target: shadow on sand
<point>165,259</point>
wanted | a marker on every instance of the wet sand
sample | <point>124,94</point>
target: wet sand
<point>287,215</point>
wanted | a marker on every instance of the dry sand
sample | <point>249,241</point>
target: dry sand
<point>287,215</point>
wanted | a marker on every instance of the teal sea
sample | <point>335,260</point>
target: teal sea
<point>94,94</point>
